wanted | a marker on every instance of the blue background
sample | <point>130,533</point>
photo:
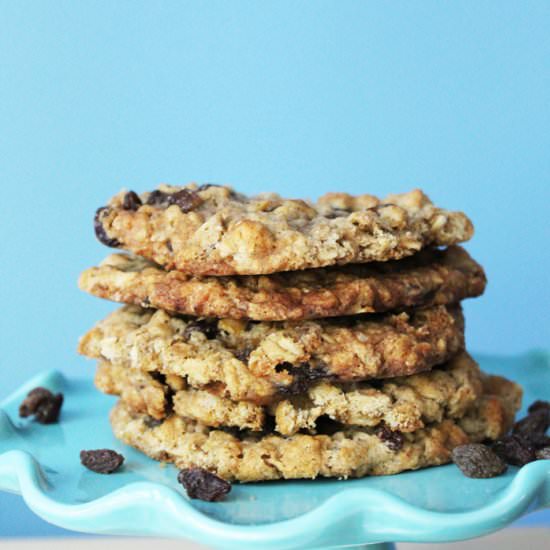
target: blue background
<point>297,97</point>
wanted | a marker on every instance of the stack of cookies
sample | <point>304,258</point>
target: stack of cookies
<point>266,338</point>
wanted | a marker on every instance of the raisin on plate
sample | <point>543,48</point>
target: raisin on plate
<point>42,404</point>
<point>478,461</point>
<point>204,485</point>
<point>101,461</point>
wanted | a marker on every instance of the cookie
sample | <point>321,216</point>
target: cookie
<point>212,230</point>
<point>143,392</point>
<point>256,361</point>
<point>402,404</point>
<point>430,277</point>
<point>353,452</point>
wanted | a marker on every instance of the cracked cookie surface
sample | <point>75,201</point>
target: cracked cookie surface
<point>402,404</point>
<point>430,277</point>
<point>258,361</point>
<point>354,452</point>
<point>212,230</point>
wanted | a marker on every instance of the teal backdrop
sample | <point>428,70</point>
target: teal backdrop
<point>293,96</point>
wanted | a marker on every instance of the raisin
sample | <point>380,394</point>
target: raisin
<point>168,395</point>
<point>515,450</point>
<point>298,385</point>
<point>243,354</point>
<point>302,377</point>
<point>540,441</point>
<point>303,368</point>
<point>533,426</point>
<point>208,327</point>
<point>186,199</point>
<point>204,485</point>
<point>393,440</point>
<point>151,422</point>
<point>478,461</point>
<point>100,232</point>
<point>131,201</point>
<point>33,400</point>
<point>43,404</point>
<point>157,198</point>
<point>102,461</point>
<point>539,405</point>
<point>543,454</point>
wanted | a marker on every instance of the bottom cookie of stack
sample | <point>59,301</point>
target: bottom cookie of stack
<point>341,451</point>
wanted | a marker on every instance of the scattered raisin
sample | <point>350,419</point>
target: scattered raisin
<point>539,405</point>
<point>540,441</point>
<point>393,440</point>
<point>533,427</point>
<point>131,201</point>
<point>528,439</point>
<point>204,485</point>
<point>102,461</point>
<point>209,327</point>
<point>33,400</point>
<point>515,450</point>
<point>543,454</point>
<point>43,404</point>
<point>478,461</point>
<point>100,232</point>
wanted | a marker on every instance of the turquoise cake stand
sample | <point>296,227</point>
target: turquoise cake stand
<point>433,505</point>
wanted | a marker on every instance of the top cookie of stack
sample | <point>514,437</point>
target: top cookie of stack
<point>212,230</point>
<point>195,234</point>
